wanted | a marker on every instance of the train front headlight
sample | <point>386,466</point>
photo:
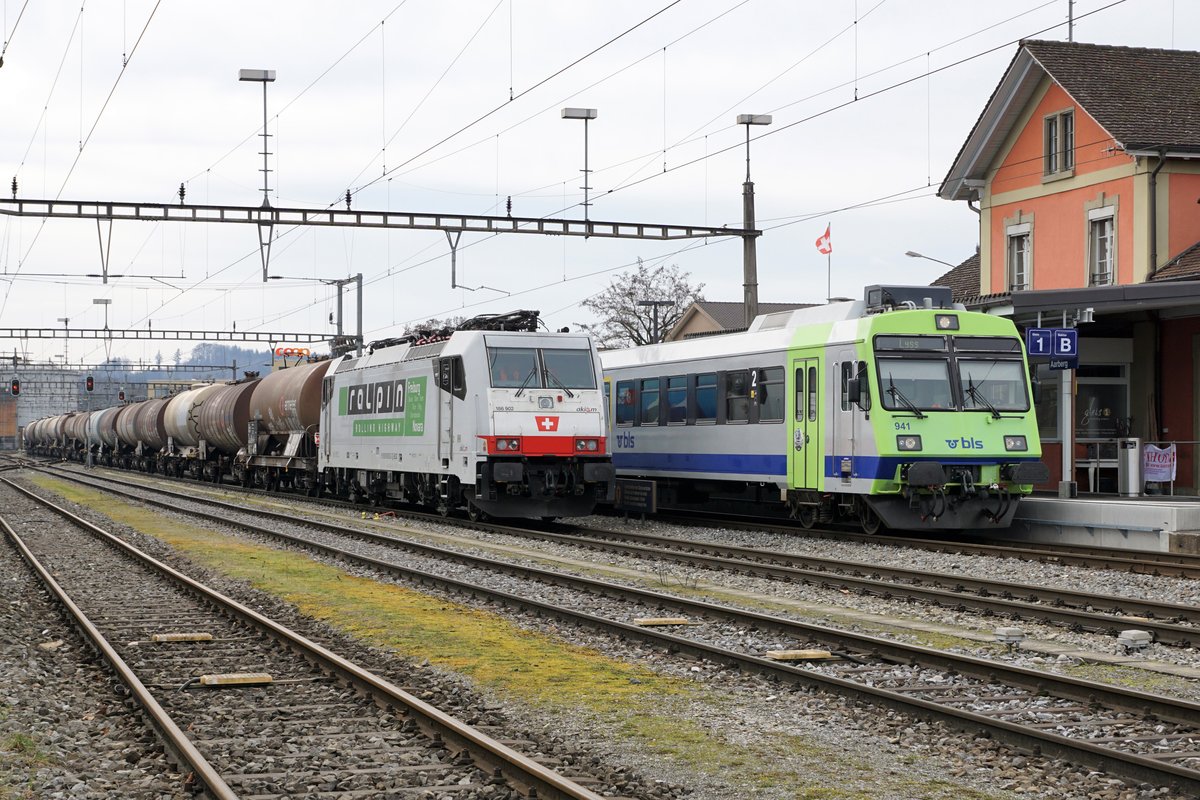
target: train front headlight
<point>908,443</point>
<point>1016,443</point>
<point>586,445</point>
<point>508,444</point>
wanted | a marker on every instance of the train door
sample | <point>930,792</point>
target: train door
<point>445,413</point>
<point>806,457</point>
<point>324,442</point>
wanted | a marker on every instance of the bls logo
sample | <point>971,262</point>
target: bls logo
<point>967,444</point>
<point>624,440</point>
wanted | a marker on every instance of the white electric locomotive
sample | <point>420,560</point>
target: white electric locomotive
<point>494,417</point>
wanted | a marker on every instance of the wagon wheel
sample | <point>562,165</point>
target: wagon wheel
<point>870,521</point>
<point>475,513</point>
<point>807,516</point>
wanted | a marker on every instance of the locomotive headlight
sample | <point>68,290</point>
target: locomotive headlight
<point>1017,443</point>
<point>508,444</point>
<point>946,322</point>
<point>908,443</point>
<point>587,445</point>
<point>545,402</point>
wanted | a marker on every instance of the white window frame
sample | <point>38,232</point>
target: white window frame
<point>1101,215</point>
<point>1058,144</point>
<point>1021,231</point>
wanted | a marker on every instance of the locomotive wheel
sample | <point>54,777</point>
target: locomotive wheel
<point>807,516</point>
<point>870,521</point>
<point>475,513</point>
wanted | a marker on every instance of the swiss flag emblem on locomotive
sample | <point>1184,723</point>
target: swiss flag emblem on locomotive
<point>547,423</point>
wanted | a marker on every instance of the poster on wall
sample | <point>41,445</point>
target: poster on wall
<point>1100,411</point>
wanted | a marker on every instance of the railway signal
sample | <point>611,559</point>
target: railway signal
<point>15,387</point>
<point>89,383</point>
<point>121,395</point>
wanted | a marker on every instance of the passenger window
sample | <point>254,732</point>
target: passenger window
<point>770,394</point>
<point>650,402</point>
<point>677,400</point>
<point>812,394</point>
<point>706,397</point>
<point>737,396</point>
<point>626,410</point>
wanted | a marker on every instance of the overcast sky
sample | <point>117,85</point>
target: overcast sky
<point>408,106</point>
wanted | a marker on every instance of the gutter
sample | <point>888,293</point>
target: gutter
<point>1162,161</point>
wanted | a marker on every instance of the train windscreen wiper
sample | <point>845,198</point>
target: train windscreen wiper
<point>525,382</point>
<point>898,397</point>
<point>550,374</point>
<point>978,397</point>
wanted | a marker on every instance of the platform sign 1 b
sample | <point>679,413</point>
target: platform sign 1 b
<point>1065,348</point>
<point>1039,341</point>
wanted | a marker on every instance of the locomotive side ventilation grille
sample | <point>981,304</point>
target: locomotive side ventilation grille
<point>424,351</point>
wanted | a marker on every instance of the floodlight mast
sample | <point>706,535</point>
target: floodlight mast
<point>749,251</point>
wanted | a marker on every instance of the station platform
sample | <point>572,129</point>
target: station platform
<point>1152,522</point>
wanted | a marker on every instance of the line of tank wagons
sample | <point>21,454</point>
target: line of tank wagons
<point>202,432</point>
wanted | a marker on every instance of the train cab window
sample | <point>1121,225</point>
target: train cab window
<point>847,374</point>
<point>864,396</point>
<point>513,367</point>
<point>770,394</point>
<point>626,408</point>
<point>851,372</point>
<point>649,407</point>
<point>988,385</point>
<point>677,400</point>
<point>568,369</point>
<point>812,394</point>
<point>737,396</point>
<point>917,382</point>
<point>706,397</point>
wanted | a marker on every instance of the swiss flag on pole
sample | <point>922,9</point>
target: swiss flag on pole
<point>824,244</point>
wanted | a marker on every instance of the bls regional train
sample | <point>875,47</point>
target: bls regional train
<point>493,417</point>
<point>903,411</point>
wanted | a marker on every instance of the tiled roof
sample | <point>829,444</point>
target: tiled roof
<point>731,316</point>
<point>963,280</point>
<point>1184,265</point>
<point>1144,97</point>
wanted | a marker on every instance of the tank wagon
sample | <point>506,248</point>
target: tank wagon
<point>491,418</point>
<point>902,411</point>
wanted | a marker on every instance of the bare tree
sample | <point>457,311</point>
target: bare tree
<point>625,323</point>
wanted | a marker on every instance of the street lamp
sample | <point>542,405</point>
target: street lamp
<point>106,302</point>
<point>263,76</point>
<point>66,337</point>
<point>749,254</point>
<point>654,304</point>
<point>584,114</point>
<point>912,254</point>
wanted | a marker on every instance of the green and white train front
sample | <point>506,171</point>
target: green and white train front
<point>947,439</point>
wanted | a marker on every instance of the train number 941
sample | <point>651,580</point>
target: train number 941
<point>903,426</point>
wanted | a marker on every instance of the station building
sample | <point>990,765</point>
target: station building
<point>1084,170</point>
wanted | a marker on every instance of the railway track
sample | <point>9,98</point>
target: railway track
<point>1137,735</point>
<point>252,709</point>
<point>1104,614</point>
<point>1147,562</point>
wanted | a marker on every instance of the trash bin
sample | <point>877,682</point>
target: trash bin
<point>1129,467</point>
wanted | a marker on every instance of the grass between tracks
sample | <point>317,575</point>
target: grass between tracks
<point>651,712</point>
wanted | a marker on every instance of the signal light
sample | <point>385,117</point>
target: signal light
<point>89,384</point>
<point>15,387</point>
<point>121,395</point>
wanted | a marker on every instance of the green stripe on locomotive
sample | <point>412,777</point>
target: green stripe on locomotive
<point>950,436</point>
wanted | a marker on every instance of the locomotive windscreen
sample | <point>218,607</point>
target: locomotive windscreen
<point>541,368</point>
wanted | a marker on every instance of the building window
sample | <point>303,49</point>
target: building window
<point>1060,143</point>
<point>1019,257</point>
<point>1102,259</point>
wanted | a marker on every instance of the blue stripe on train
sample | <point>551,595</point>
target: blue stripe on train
<point>866,467</point>
<point>727,463</point>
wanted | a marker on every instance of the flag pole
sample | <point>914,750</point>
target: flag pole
<point>829,267</point>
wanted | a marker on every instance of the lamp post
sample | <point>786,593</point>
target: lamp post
<point>263,76</point>
<point>66,338</point>
<point>584,114</point>
<point>749,253</point>
<point>655,304</point>
<point>106,302</point>
<point>912,254</point>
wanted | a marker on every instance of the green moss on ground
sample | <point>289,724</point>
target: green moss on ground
<point>625,699</point>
